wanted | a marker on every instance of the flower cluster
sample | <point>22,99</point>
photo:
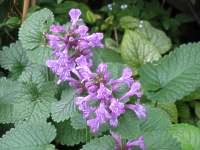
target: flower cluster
<point>70,43</point>
<point>73,63</point>
<point>130,144</point>
<point>100,105</point>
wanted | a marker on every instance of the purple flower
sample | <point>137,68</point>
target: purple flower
<point>117,138</point>
<point>117,107</point>
<point>74,15</point>
<point>82,103</point>
<point>138,143</point>
<point>94,125</point>
<point>57,29</point>
<point>103,92</point>
<point>100,89</point>
<point>134,90</point>
<point>139,109</point>
<point>73,43</point>
<point>130,144</point>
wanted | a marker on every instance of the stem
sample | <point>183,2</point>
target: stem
<point>116,35</point>
<point>86,134</point>
<point>9,35</point>
<point>25,9</point>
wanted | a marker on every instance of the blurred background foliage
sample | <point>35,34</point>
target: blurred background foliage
<point>179,19</point>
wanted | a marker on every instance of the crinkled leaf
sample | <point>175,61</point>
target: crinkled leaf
<point>103,143</point>
<point>40,98</point>
<point>78,122</point>
<point>157,37</point>
<point>13,113</point>
<point>31,34</point>
<point>187,135</point>
<point>161,140</point>
<point>67,135</point>
<point>174,76</point>
<point>32,30</point>
<point>39,55</point>
<point>37,136</point>
<point>65,108</point>
<point>9,91</point>
<point>35,96</point>
<point>128,126</point>
<point>156,120</point>
<point>14,59</point>
<point>136,50</point>
<point>36,73</point>
<point>129,22</point>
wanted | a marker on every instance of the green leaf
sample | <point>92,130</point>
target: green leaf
<point>160,140</point>
<point>13,21</point>
<point>14,113</point>
<point>129,22</point>
<point>39,55</point>
<point>187,135</point>
<point>103,143</point>
<point>104,56</point>
<point>14,59</point>
<point>128,127</point>
<point>31,34</point>
<point>39,98</point>
<point>171,110</point>
<point>156,120</point>
<point>65,108</point>
<point>35,136</point>
<point>90,17</point>
<point>78,122</point>
<point>67,135</point>
<point>36,73</point>
<point>9,91</point>
<point>174,76</point>
<point>136,50</point>
<point>156,36</point>
<point>116,69</point>
<point>36,96</point>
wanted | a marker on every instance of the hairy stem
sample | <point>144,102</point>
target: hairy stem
<point>25,9</point>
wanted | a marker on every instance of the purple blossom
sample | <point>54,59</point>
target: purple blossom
<point>134,90</point>
<point>74,15</point>
<point>100,89</point>
<point>129,145</point>
<point>103,92</point>
<point>72,62</point>
<point>138,143</point>
<point>139,109</point>
<point>71,47</point>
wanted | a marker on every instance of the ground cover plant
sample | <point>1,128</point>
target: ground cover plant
<point>109,77</point>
